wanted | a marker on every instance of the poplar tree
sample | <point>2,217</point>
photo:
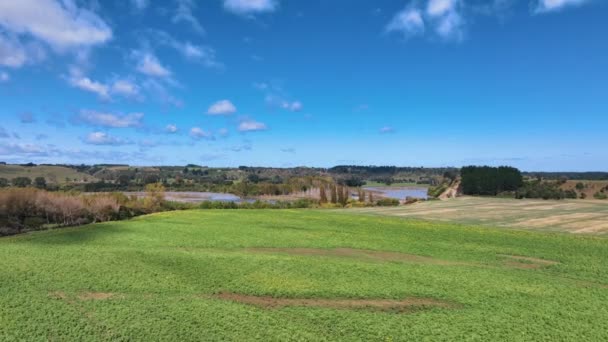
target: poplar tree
<point>322,195</point>
<point>334,194</point>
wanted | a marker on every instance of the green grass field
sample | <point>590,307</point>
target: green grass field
<point>301,275</point>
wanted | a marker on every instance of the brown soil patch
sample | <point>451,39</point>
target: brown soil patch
<point>404,305</point>
<point>527,263</point>
<point>361,254</point>
<point>95,295</point>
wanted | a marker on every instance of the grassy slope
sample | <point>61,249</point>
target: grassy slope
<point>53,174</point>
<point>163,267</point>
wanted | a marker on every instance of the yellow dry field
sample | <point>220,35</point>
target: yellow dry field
<point>574,216</point>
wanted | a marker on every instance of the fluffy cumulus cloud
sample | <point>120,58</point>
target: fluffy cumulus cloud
<point>109,120</point>
<point>103,138</point>
<point>251,126</point>
<point>223,107</point>
<point>250,6</point>
<point>122,87</point>
<point>555,5</point>
<point>409,22</point>
<point>199,133</point>
<point>60,24</point>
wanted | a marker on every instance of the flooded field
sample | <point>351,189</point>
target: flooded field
<point>192,196</point>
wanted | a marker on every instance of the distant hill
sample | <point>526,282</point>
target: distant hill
<point>52,173</point>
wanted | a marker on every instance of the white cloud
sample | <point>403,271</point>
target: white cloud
<point>89,85</point>
<point>102,138</point>
<point>445,16</point>
<point>199,133</point>
<point>193,52</point>
<point>125,88</point>
<point>243,7</point>
<point>12,53</point>
<point>294,106</point>
<point>184,12</point>
<point>274,100</point>
<point>171,128</point>
<point>409,22</point>
<point>555,5</point>
<point>437,8</point>
<point>149,65</point>
<point>109,120</point>
<point>61,24</point>
<point>223,107</point>
<point>251,126</point>
<point>4,77</point>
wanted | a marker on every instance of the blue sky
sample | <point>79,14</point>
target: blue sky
<point>315,83</point>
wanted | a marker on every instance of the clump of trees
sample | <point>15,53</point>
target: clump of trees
<point>490,181</point>
<point>544,189</point>
<point>27,209</point>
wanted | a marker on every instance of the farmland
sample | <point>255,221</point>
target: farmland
<point>52,173</point>
<point>573,216</point>
<point>300,275</point>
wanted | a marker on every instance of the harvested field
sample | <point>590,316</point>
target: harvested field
<point>574,216</point>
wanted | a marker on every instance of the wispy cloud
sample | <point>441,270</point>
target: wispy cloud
<point>185,13</point>
<point>109,120</point>
<point>223,107</point>
<point>248,7</point>
<point>140,4</point>
<point>171,128</point>
<point>387,130</point>
<point>544,6</point>
<point>4,77</point>
<point>3,133</point>
<point>199,133</point>
<point>102,138</point>
<point>251,126</point>
<point>409,22</point>
<point>149,65</point>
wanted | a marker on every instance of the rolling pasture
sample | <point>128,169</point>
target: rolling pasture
<point>52,173</point>
<point>300,275</point>
<point>573,216</point>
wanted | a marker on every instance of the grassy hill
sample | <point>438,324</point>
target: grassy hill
<point>52,173</point>
<point>300,275</point>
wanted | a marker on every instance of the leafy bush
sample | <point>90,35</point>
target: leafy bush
<point>387,202</point>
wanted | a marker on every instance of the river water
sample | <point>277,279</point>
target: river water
<point>400,193</point>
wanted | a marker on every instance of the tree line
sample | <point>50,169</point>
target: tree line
<point>490,181</point>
